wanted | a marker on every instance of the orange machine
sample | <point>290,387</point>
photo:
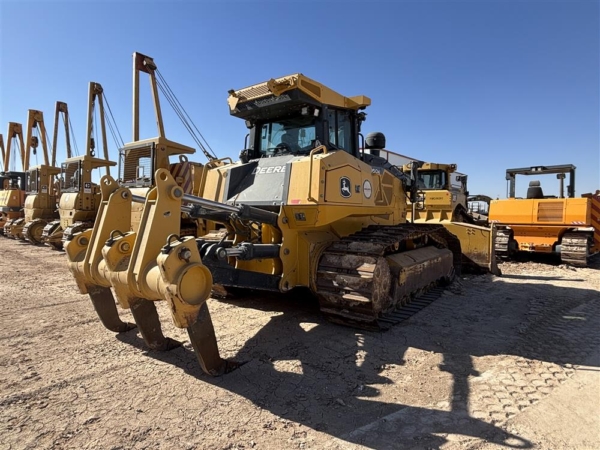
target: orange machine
<point>541,223</point>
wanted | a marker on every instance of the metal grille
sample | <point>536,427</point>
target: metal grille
<point>254,92</point>
<point>136,166</point>
<point>70,176</point>
<point>550,211</point>
<point>32,182</point>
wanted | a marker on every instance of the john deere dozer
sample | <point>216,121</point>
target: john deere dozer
<point>80,196</point>
<point>13,183</point>
<point>302,208</point>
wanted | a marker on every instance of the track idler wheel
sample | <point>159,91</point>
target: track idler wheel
<point>33,230</point>
<point>53,234</point>
<point>147,320</point>
<point>104,304</point>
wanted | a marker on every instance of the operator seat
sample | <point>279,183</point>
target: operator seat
<point>534,190</point>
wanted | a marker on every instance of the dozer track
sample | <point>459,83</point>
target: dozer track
<point>357,286</point>
<point>52,234</point>
<point>575,248</point>
<point>502,244</point>
<point>13,228</point>
<point>33,230</point>
<point>70,232</point>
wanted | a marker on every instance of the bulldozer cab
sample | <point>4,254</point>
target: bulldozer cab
<point>534,190</point>
<point>70,176</point>
<point>441,192</point>
<point>39,180</point>
<point>431,176</point>
<point>13,180</point>
<point>73,173</point>
<point>138,161</point>
<point>297,116</point>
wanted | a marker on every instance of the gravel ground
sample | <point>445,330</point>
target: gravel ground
<point>456,375</point>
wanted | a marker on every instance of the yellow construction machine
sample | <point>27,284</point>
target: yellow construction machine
<point>13,184</point>
<point>80,196</point>
<point>302,208</point>
<point>442,193</point>
<point>569,227</point>
<point>442,198</point>
<point>142,164</point>
<point>43,190</point>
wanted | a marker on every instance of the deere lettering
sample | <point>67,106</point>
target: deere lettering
<point>272,169</point>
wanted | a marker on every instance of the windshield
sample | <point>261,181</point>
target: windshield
<point>33,180</point>
<point>136,168</point>
<point>70,176</point>
<point>431,179</point>
<point>294,135</point>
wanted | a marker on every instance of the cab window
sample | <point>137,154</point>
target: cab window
<point>340,130</point>
<point>295,135</point>
<point>432,179</point>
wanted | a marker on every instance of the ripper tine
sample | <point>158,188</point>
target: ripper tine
<point>204,341</point>
<point>146,317</point>
<point>104,304</point>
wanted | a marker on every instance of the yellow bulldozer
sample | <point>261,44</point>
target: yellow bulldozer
<point>13,184</point>
<point>442,193</point>
<point>303,207</point>
<point>80,196</point>
<point>43,190</point>
<point>549,224</point>
<point>442,197</point>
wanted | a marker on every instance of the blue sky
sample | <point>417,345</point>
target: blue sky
<point>488,85</point>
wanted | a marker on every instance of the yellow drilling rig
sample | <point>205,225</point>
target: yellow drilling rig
<point>13,184</point>
<point>80,196</point>
<point>304,207</point>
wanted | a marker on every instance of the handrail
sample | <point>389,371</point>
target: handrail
<point>311,154</point>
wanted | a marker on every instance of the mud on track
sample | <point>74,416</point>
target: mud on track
<point>454,375</point>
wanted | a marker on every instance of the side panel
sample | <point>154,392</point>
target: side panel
<point>595,219</point>
<point>550,211</point>
<point>578,211</point>
<point>512,211</point>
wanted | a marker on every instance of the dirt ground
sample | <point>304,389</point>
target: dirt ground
<point>493,363</point>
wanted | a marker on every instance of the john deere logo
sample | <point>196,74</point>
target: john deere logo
<point>345,187</point>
